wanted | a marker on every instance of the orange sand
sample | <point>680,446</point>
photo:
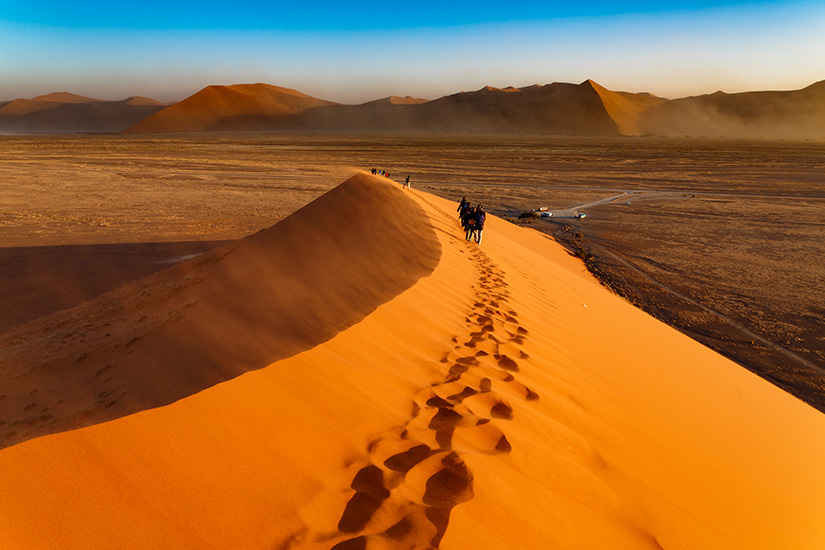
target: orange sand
<point>504,401</point>
<point>203,110</point>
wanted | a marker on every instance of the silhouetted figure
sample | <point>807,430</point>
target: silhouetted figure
<point>470,222</point>
<point>480,218</point>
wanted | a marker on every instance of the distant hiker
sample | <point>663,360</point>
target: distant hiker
<point>470,223</point>
<point>462,209</point>
<point>407,183</point>
<point>462,215</point>
<point>461,206</point>
<point>480,218</point>
<point>374,171</point>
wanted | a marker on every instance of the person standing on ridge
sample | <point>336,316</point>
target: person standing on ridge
<point>407,183</point>
<point>469,222</point>
<point>480,217</point>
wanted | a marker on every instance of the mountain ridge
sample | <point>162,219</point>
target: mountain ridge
<point>587,108</point>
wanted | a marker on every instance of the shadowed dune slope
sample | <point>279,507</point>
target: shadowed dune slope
<point>207,109</point>
<point>64,112</point>
<point>505,401</point>
<point>41,102</point>
<point>212,318</point>
<point>397,100</point>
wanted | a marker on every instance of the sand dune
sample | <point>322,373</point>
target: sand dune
<point>140,100</point>
<point>207,109</point>
<point>42,102</point>
<point>173,334</point>
<point>626,109</point>
<point>795,114</point>
<point>555,109</point>
<point>498,399</point>
<point>560,108</point>
<point>64,112</point>
<point>396,100</point>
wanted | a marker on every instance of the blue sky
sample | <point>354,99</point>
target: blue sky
<point>169,50</point>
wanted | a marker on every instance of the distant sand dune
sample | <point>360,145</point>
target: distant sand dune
<point>559,108</point>
<point>64,112</point>
<point>464,397</point>
<point>799,113</point>
<point>555,109</point>
<point>208,107</point>
<point>626,109</point>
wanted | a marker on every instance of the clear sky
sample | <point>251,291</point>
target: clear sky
<point>356,52</point>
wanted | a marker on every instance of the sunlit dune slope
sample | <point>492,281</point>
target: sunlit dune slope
<point>207,109</point>
<point>210,319</point>
<point>626,109</point>
<point>505,400</point>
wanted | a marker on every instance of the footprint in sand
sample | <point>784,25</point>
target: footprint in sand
<point>416,475</point>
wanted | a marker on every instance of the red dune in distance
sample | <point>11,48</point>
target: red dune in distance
<point>42,102</point>
<point>396,100</point>
<point>555,108</point>
<point>796,113</point>
<point>214,104</point>
<point>424,392</point>
<point>626,109</point>
<point>559,108</point>
<point>64,112</point>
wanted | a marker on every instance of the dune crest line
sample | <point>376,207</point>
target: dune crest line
<point>414,475</point>
<point>208,320</point>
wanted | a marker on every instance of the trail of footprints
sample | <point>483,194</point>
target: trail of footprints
<point>415,476</point>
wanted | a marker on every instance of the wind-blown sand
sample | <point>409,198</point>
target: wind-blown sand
<point>500,398</point>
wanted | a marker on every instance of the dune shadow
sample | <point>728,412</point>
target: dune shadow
<point>206,320</point>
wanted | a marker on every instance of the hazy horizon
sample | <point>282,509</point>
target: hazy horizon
<point>354,55</point>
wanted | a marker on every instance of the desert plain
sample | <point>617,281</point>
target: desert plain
<point>722,238</point>
<point>564,417</point>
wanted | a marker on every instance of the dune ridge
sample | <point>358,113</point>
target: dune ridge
<point>206,109</point>
<point>796,113</point>
<point>584,109</point>
<point>65,112</point>
<point>558,108</point>
<point>506,400</point>
<point>626,109</point>
<point>177,332</point>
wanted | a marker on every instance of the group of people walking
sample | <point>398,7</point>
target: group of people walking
<point>472,220</point>
<point>380,172</point>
